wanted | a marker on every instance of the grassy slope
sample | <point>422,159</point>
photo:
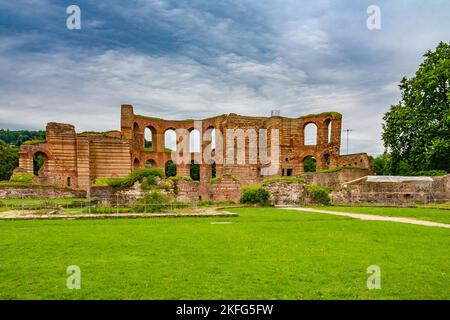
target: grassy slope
<point>429,214</point>
<point>265,253</point>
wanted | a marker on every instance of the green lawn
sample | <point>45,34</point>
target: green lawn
<point>429,214</point>
<point>265,253</point>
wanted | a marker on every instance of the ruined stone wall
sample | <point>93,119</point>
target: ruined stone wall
<point>187,191</point>
<point>356,160</point>
<point>76,160</point>
<point>285,193</point>
<point>335,179</point>
<point>39,192</point>
<point>250,170</point>
<point>225,189</point>
<point>407,193</point>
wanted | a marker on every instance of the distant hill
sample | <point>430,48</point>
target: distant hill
<point>17,137</point>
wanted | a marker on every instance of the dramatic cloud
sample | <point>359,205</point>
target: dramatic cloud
<point>178,59</point>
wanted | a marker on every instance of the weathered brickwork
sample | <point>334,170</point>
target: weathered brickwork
<point>76,160</point>
<point>39,192</point>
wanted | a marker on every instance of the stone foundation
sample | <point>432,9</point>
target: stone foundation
<point>285,193</point>
<point>37,192</point>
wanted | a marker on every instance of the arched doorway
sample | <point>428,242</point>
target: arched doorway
<point>170,169</point>
<point>194,171</point>
<point>309,164</point>
<point>150,163</point>
<point>136,164</point>
<point>39,163</point>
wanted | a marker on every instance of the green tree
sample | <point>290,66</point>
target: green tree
<point>9,159</point>
<point>309,164</point>
<point>416,131</point>
<point>382,164</point>
<point>170,169</point>
<point>194,171</point>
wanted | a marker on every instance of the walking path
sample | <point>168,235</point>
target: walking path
<point>372,217</point>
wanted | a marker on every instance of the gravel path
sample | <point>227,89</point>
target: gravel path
<point>373,217</point>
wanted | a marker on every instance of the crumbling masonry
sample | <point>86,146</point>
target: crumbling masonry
<point>77,160</point>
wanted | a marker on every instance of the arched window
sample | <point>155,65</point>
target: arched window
<point>170,140</point>
<point>328,125</point>
<point>170,169</point>
<point>149,141</point>
<point>309,164</point>
<point>194,141</point>
<point>310,132</point>
<point>210,135</point>
<point>39,162</point>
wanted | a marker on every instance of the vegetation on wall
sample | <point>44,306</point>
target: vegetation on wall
<point>130,180</point>
<point>416,131</point>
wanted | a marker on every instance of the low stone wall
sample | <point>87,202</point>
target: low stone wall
<point>285,193</point>
<point>225,189</point>
<point>406,193</point>
<point>187,191</point>
<point>108,196</point>
<point>335,179</point>
<point>41,191</point>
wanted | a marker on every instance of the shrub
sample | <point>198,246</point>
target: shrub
<point>319,195</point>
<point>153,202</point>
<point>254,195</point>
<point>215,180</point>
<point>149,182</point>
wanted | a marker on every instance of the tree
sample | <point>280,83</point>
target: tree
<point>416,131</point>
<point>309,164</point>
<point>9,159</point>
<point>382,164</point>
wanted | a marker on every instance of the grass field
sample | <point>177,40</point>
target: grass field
<point>428,214</point>
<point>265,253</point>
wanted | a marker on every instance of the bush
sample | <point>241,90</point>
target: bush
<point>319,195</point>
<point>254,195</point>
<point>153,202</point>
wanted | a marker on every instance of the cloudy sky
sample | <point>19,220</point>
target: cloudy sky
<point>184,59</point>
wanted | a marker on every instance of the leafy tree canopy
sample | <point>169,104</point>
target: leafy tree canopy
<point>9,159</point>
<point>416,131</point>
<point>16,138</point>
